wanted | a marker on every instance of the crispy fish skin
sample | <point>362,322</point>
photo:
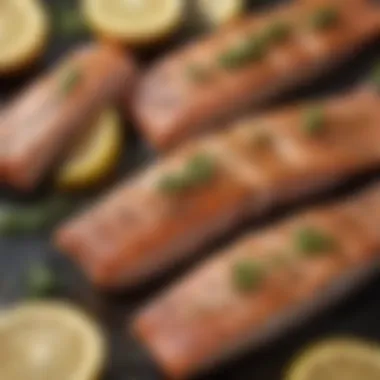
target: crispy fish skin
<point>171,105</point>
<point>40,124</point>
<point>204,318</point>
<point>139,231</point>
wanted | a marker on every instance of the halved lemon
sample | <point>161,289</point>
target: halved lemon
<point>96,156</point>
<point>220,12</point>
<point>338,359</point>
<point>133,22</point>
<point>49,340</point>
<point>23,33</point>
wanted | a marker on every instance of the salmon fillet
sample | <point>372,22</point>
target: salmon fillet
<point>206,187</point>
<point>262,285</point>
<point>52,113</point>
<point>193,89</point>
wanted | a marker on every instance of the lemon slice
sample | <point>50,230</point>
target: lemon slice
<point>96,156</point>
<point>50,340</point>
<point>220,12</point>
<point>133,22</point>
<point>23,33</point>
<point>340,359</point>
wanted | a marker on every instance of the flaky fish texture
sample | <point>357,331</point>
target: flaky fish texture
<point>262,285</point>
<point>45,121</point>
<point>193,89</point>
<point>206,187</point>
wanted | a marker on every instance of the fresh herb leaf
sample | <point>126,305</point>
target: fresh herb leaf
<point>172,184</point>
<point>324,18</point>
<point>310,241</point>
<point>247,275</point>
<point>16,220</point>
<point>69,21</point>
<point>41,281</point>
<point>314,121</point>
<point>246,52</point>
<point>200,169</point>
<point>277,32</point>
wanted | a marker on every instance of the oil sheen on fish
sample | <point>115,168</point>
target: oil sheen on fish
<point>41,123</point>
<point>262,285</point>
<point>192,89</point>
<point>201,190</point>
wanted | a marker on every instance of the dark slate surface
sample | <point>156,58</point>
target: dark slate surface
<point>357,316</point>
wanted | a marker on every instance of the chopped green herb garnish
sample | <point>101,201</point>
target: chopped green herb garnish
<point>314,121</point>
<point>376,76</point>
<point>324,18</point>
<point>198,73</point>
<point>199,169</point>
<point>247,275</point>
<point>310,241</point>
<point>69,21</point>
<point>277,32</point>
<point>172,184</point>
<point>70,79</point>
<point>41,281</point>
<point>247,52</point>
<point>16,220</point>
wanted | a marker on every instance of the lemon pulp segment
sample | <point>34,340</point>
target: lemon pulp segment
<point>96,156</point>
<point>342,359</point>
<point>23,33</point>
<point>220,12</point>
<point>49,340</point>
<point>133,21</point>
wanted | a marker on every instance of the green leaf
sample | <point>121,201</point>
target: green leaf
<point>314,121</point>
<point>324,18</point>
<point>41,281</point>
<point>247,275</point>
<point>310,241</point>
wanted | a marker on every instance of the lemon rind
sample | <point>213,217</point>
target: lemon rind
<point>98,170</point>
<point>27,57</point>
<point>299,368</point>
<point>71,316</point>
<point>148,37</point>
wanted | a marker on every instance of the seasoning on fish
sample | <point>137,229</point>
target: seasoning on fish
<point>309,241</point>
<point>194,324</point>
<point>247,275</point>
<point>208,186</point>
<point>314,122</point>
<point>37,127</point>
<point>325,17</point>
<point>277,32</point>
<point>251,62</point>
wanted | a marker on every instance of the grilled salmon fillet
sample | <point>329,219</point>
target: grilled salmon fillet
<point>262,285</point>
<point>209,185</point>
<point>191,90</point>
<point>52,113</point>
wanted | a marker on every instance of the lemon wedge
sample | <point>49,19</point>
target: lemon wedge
<point>339,359</point>
<point>220,12</point>
<point>96,155</point>
<point>133,22</point>
<point>49,340</point>
<point>23,33</point>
